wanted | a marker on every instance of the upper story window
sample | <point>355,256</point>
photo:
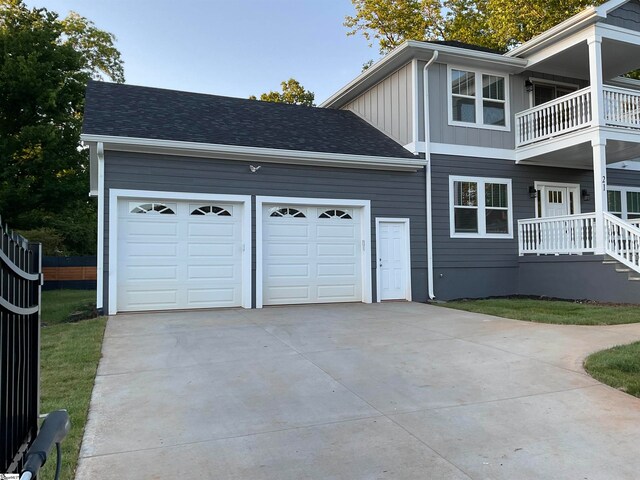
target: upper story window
<point>478,99</point>
<point>624,202</point>
<point>480,207</point>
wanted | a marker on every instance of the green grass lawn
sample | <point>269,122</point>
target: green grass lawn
<point>551,311</point>
<point>57,305</point>
<point>69,358</point>
<point>618,367</point>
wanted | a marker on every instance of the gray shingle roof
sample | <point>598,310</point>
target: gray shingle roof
<point>144,112</point>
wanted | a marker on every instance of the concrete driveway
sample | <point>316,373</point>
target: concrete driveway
<point>383,391</point>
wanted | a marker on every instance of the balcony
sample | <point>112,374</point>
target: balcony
<point>573,112</point>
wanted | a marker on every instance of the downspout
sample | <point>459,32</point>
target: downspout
<point>100,239</point>
<point>427,157</point>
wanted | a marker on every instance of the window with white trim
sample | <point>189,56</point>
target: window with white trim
<point>480,207</point>
<point>624,202</point>
<point>478,99</point>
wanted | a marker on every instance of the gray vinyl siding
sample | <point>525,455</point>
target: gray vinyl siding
<point>388,105</point>
<point>439,128</point>
<point>392,194</point>
<point>626,16</point>
<point>480,267</point>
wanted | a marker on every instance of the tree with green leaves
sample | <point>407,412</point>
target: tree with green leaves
<point>498,24</point>
<point>45,65</point>
<point>391,22</point>
<point>292,92</point>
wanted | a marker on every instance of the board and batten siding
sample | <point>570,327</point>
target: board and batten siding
<point>392,194</point>
<point>388,105</point>
<point>625,16</point>
<point>480,267</point>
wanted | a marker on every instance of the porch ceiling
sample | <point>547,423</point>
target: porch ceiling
<point>581,155</point>
<point>618,58</point>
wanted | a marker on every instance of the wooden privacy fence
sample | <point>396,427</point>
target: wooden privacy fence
<point>20,284</point>
<point>69,272</point>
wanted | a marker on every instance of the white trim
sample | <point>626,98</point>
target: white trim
<point>116,194</point>
<point>559,45</point>
<point>623,198</point>
<point>620,34</point>
<point>244,153</point>
<point>422,51</point>
<point>481,207</point>
<point>365,235</point>
<point>558,143</point>
<point>478,98</point>
<point>100,240</point>
<point>561,30</point>
<point>576,187</point>
<point>545,81</point>
<point>407,232</point>
<point>472,151</point>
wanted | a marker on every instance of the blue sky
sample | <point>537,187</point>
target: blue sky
<point>234,47</point>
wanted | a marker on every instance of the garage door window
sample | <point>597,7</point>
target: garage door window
<point>152,208</point>
<point>286,212</point>
<point>341,214</point>
<point>211,210</point>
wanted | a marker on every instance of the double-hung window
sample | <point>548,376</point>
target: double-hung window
<point>624,202</point>
<point>480,207</point>
<point>478,99</point>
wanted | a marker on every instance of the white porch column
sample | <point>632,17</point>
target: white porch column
<point>600,189</point>
<point>595,79</point>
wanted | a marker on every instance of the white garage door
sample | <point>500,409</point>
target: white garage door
<point>174,255</point>
<point>311,254</point>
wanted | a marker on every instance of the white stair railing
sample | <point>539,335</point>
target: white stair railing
<point>569,234</point>
<point>622,241</point>
<point>562,115</point>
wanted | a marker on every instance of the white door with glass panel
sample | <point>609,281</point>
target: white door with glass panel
<point>393,259</point>
<point>557,200</point>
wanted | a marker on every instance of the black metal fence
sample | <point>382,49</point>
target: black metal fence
<point>20,285</point>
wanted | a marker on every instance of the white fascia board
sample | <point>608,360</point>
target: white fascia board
<point>607,7</point>
<point>469,151</point>
<point>565,141</point>
<point>559,45</point>
<point>619,34</point>
<point>563,29</point>
<point>414,50</point>
<point>258,154</point>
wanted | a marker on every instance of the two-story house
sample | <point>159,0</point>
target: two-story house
<point>443,171</point>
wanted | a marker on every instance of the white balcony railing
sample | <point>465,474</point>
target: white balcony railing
<point>562,115</point>
<point>573,112</point>
<point>621,107</point>
<point>570,234</point>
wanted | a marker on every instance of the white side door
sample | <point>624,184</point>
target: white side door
<point>393,260</point>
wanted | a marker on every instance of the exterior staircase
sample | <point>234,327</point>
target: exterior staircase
<point>632,275</point>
